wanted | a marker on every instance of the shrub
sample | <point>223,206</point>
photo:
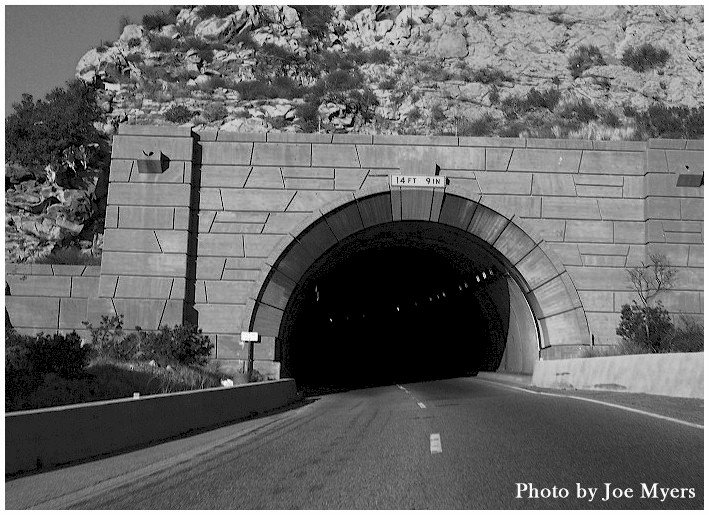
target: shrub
<point>342,80</point>
<point>645,57</point>
<point>437,114</point>
<point>134,58</point>
<point>64,355</point>
<point>37,133</point>
<point>502,9</point>
<point>490,75</point>
<point>213,83</point>
<point>513,107</point>
<point>351,10</point>
<point>660,121</point>
<point>649,327</point>
<point>689,337</point>
<point>388,83</point>
<point>216,111</point>
<point>159,19</point>
<point>68,256</point>
<point>162,43</point>
<point>494,94</point>
<point>133,42</point>
<point>483,126</point>
<point>245,39</point>
<point>308,115</point>
<point>584,58</point>
<point>183,344</point>
<point>178,114</point>
<point>582,111</point>
<point>220,11</point>
<point>315,18</point>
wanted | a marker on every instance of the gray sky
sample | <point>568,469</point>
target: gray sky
<point>44,43</point>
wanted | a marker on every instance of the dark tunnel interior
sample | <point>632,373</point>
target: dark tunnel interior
<point>399,302</point>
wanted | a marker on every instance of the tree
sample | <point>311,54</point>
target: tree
<point>38,132</point>
<point>644,322</point>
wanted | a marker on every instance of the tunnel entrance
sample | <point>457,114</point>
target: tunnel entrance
<point>398,302</point>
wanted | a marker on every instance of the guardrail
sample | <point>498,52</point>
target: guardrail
<point>48,437</point>
<point>673,375</point>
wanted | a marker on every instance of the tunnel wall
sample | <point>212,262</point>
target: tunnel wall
<point>188,244</point>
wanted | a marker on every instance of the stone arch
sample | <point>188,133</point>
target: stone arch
<point>546,286</point>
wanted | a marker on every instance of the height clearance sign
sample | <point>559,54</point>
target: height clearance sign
<point>419,181</point>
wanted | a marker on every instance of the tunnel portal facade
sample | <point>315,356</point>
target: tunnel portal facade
<point>278,233</point>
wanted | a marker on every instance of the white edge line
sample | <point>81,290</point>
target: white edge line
<point>625,408</point>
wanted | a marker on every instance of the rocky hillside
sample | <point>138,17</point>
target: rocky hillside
<point>600,72</point>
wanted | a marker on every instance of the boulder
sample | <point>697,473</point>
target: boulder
<point>451,44</point>
<point>189,17</point>
<point>215,28</point>
<point>132,32</point>
<point>290,17</point>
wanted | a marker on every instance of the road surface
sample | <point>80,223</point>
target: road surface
<point>453,444</point>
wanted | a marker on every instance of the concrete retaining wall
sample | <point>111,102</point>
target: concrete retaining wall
<point>62,435</point>
<point>674,375</point>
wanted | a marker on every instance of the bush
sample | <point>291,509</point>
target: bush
<point>656,336</point>
<point>388,83</point>
<point>68,256</point>
<point>216,111</point>
<point>645,57</point>
<point>163,43</point>
<point>133,42</point>
<point>689,337</point>
<point>582,111</point>
<point>315,18</point>
<point>308,116</point>
<point>178,114</point>
<point>63,355</point>
<point>159,19</point>
<point>514,107</point>
<point>38,132</point>
<point>183,344</point>
<point>584,58</point>
<point>660,121</point>
<point>483,126</point>
<point>490,75</point>
<point>342,80</point>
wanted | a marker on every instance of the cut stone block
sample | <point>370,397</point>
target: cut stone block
<point>335,155</point>
<point>146,264</point>
<point>548,230</point>
<point>416,203</point>
<point>349,179</point>
<point>260,245</point>
<point>295,261</point>
<point>487,224</point>
<point>570,208</point>
<point>72,312</point>
<point>133,147</point>
<point>226,153</point>
<point>554,297</point>
<point>173,131</point>
<point>121,169</point>
<point>514,243</point>
<point>96,308</point>
<point>457,211</point>
<point>132,287</point>
<point>536,268</point>
<point>390,156</point>
<point>256,200</point>
<point>107,285</point>
<point>283,154</point>
<point>553,184</point>
<point>663,208</point>
<point>570,328</point>
<point>84,287</point>
<point>317,239</point>
<point>524,207</point>
<point>130,194</point>
<point>599,278</point>
<point>685,161</point>
<point>297,137</point>
<point>665,185</point>
<point>345,221</point>
<point>622,209</point>
<point>589,231</point>
<point>587,179</point>
<point>559,143</point>
<point>220,245</point>
<point>131,240</point>
<point>227,292</point>
<point>39,286</point>
<point>221,176</point>
<point>544,160</point>
<point>309,184</point>
<point>267,321</point>
<point>467,187</point>
<point>692,209</point>
<point>220,318</point>
<point>269,177</point>
<point>568,253</point>
<point>597,301</point>
<point>308,201</point>
<point>599,191</point>
<point>240,275</point>
<point>634,187</point>
<point>300,172</point>
<point>610,261</point>
<point>278,290</point>
<point>613,163</point>
<point>230,347</point>
<point>498,158</point>
<point>628,232</point>
<point>137,217</point>
<point>39,312</point>
<point>236,228</point>
<point>505,183</point>
<point>696,255</point>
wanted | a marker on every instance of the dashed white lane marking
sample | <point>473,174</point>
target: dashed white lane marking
<point>421,405</point>
<point>436,443</point>
<point>402,388</point>
<point>625,408</point>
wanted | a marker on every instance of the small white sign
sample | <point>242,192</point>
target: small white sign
<point>249,337</point>
<point>420,181</point>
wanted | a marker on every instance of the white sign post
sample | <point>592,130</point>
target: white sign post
<point>250,338</point>
<point>419,181</point>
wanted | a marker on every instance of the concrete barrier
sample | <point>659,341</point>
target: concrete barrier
<point>55,436</point>
<point>674,375</point>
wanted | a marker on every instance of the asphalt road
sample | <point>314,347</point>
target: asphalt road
<point>379,448</point>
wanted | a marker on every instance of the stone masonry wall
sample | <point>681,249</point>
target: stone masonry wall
<point>188,244</point>
<point>47,298</point>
